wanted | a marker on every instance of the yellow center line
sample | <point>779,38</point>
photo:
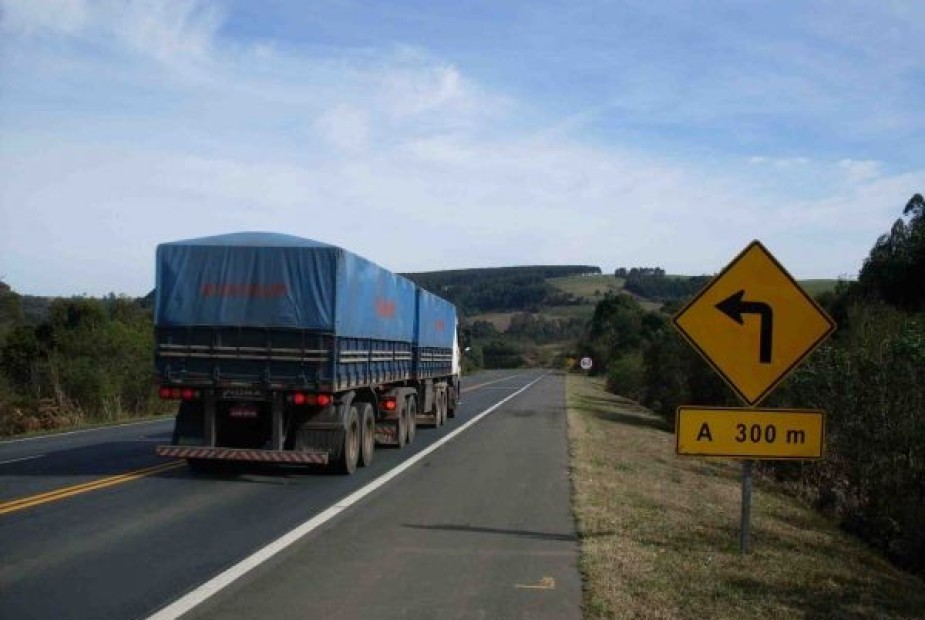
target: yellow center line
<point>473,387</point>
<point>546,583</point>
<point>51,496</point>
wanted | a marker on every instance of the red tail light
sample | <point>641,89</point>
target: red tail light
<point>301,398</point>
<point>176,393</point>
<point>389,404</point>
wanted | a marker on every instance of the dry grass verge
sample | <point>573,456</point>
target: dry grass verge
<point>660,533</point>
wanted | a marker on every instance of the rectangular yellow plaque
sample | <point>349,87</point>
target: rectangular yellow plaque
<point>750,433</point>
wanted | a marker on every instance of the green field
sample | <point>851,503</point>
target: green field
<point>501,320</point>
<point>583,311</point>
<point>592,288</point>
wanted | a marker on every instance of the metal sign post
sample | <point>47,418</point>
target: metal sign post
<point>746,517</point>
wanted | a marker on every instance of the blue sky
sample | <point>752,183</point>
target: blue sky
<point>429,135</point>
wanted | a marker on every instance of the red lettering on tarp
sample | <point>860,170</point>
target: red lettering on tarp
<point>211,289</point>
<point>385,308</point>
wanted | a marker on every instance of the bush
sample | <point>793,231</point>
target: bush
<point>625,376</point>
<point>501,354</point>
<point>871,383</point>
<point>90,360</point>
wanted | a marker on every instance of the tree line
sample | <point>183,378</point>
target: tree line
<point>501,289</point>
<point>869,378</point>
<point>87,360</point>
<point>525,341</point>
<point>652,283</point>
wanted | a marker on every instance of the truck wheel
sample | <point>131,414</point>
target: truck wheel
<point>438,411</point>
<point>368,434</point>
<point>401,428</point>
<point>346,463</point>
<point>443,407</point>
<point>412,410</point>
<point>451,402</point>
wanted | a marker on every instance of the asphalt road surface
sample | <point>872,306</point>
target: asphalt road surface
<point>93,525</point>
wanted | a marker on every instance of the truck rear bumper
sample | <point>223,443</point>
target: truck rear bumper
<point>241,454</point>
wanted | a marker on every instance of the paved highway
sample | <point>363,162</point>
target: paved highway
<point>92,525</point>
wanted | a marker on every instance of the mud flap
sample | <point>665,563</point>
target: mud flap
<point>189,425</point>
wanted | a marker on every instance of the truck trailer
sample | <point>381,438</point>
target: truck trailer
<point>286,350</point>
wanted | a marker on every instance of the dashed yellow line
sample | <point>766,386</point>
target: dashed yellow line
<point>546,583</point>
<point>86,487</point>
<point>473,387</point>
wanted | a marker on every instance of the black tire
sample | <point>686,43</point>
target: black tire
<point>368,430</point>
<point>442,403</point>
<point>401,428</point>
<point>439,418</point>
<point>451,402</point>
<point>412,409</point>
<point>346,462</point>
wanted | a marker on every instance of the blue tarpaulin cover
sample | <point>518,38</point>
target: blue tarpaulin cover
<point>436,321</point>
<point>258,279</point>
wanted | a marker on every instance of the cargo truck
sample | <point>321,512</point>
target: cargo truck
<point>281,349</point>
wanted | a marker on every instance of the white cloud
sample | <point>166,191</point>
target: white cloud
<point>170,31</point>
<point>397,155</point>
<point>344,127</point>
<point>414,92</point>
<point>779,162</point>
<point>29,18</point>
<point>861,170</point>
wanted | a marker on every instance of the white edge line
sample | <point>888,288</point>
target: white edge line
<point>85,430</point>
<point>25,458</point>
<point>196,597</point>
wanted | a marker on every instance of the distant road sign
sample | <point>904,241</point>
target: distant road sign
<point>586,363</point>
<point>750,433</point>
<point>753,323</point>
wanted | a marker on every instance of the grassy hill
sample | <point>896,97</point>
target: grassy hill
<point>588,288</point>
<point>582,292</point>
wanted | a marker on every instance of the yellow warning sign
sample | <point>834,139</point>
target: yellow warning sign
<point>750,433</point>
<point>753,323</point>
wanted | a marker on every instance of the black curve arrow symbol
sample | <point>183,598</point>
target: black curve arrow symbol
<point>734,308</point>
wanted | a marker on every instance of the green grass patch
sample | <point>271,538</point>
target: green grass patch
<point>501,320</point>
<point>583,311</point>
<point>659,533</point>
<point>592,288</point>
